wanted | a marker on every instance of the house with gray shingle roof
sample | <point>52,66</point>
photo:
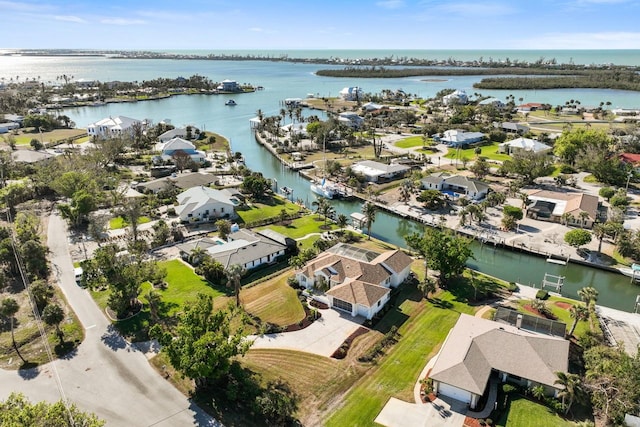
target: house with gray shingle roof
<point>455,185</point>
<point>359,280</point>
<point>205,204</point>
<point>477,350</point>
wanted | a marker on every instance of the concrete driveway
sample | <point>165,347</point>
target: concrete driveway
<point>105,375</point>
<point>322,337</point>
<point>398,413</point>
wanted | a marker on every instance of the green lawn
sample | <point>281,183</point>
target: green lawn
<point>274,301</point>
<point>412,141</point>
<point>183,287</point>
<point>264,210</point>
<point>423,326</point>
<point>525,413</point>
<point>488,151</point>
<point>119,222</point>
<point>302,226</point>
<point>25,137</point>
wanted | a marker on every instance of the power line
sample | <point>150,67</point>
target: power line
<point>38,319</point>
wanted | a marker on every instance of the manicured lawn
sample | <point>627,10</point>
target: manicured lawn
<point>264,210</point>
<point>413,141</point>
<point>119,222</point>
<point>55,135</point>
<point>423,326</point>
<point>525,413</point>
<point>488,151</point>
<point>302,226</point>
<point>273,301</point>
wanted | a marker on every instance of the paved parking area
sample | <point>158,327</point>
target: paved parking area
<point>398,413</point>
<point>322,337</point>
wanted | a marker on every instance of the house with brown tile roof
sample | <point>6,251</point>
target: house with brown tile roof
<point>359,280</point>
<point>554,205</point>
<point>477,350</point>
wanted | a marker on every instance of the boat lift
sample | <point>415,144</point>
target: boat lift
<point>552,281</point>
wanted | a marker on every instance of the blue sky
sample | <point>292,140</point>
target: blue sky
<point>327,24</point>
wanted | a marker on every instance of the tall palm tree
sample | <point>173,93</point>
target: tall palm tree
<point>573,390</point>
<point>584,216</point>
<point>589,295</point>
<point>8,308</point>
<point>342,221</point>
<point>369,211</point>
<point>577,312</point>
<point>406,189</point>
<point>234,273</point>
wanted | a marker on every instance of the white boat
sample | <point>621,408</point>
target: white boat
<point>633,272</point>
<point>230,102</point>
<point>326,189</point>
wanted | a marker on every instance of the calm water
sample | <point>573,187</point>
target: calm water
<point>286,80</point>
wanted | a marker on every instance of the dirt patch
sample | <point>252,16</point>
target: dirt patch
<point>563,305</point>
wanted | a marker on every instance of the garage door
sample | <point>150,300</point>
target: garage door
<point>342,305</point>
<point>454,392</point>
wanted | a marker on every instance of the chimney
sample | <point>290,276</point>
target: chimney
<point>519,321</point>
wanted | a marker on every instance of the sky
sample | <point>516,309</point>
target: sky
<point>326,24</point>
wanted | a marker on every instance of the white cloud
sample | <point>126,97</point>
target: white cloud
<point>20,6</point>
<point>602,40</point>
<point>70,18</point>
<point>256,29</point>
<point>122,21</point>
<point>391,4</point>
<point>477,9</point>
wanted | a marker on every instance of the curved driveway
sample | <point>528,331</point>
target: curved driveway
<point>106,375</point>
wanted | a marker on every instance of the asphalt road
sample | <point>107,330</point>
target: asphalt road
<point>106,375</point>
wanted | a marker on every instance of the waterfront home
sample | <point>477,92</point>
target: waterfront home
<point>524,144</point>
<point>569,208</point>
<point>356,280</point>
<point>182,182</point>
<point>380,172</point>
<point>455,185</point>
<point>530,106</point>
<point>353,93</point>
<point>352,120</point>
<point>632,159</point>
<point>455,98</point>
<point>478,352</point>
<point>111,127</point>
<point>243,247</point>
<point>201,204</point>
<point>229,86</point>
<point>458,138</point>
<point>174,145</point>
<point>371,106</point>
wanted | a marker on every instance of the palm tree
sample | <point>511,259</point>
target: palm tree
<point>234,273</point>
<point>572,391</point>
<point>589,295</point>
<point>328,211</point>
<point>320,204</point>
<point>369,211</point>
<point>584,216</point>
<point>427,286</point>
<point>406,189</point>
<point>53,314</point>
<point>524,197</point>
<point>599,231</point>
<point>342,221</point>
<point>8,308</point>
<point>577,312</point>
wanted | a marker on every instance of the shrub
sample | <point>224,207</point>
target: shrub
<point>542,294</point>
<point>564,168</point>
<point>508,388</point>
<point>512,287</point>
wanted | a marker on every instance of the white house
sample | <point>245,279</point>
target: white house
<point>229,86</point>
<point>205,204</point>
<point>175,133</point>
<point>455,97</point>
<point>243,247</point>
<point>477,349</point>
<point>358,280</point>
<point>353,93</point>
<point>353,120</point>
<point>380,172</point>
<point>524,144</point>
<point>169,148</point>
<point>113,126</point>
<point>494,102</point>
<point>455,185</point>
<point>458,138</point>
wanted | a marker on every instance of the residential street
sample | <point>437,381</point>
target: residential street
<point>106,375</point>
